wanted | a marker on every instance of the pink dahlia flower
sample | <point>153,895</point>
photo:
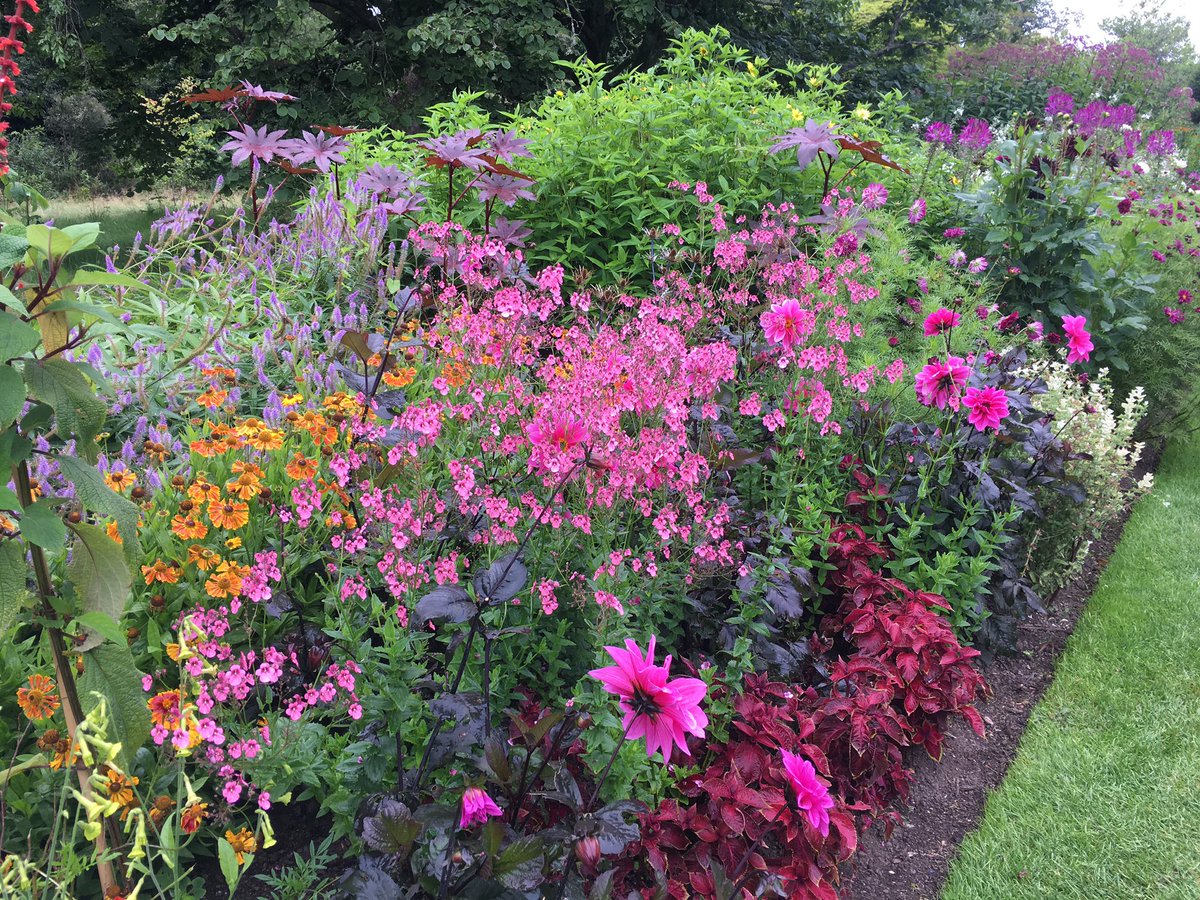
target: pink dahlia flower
<point>940,383</point>
<point>477,808</point>
<point>663,712</point>
<point>940,321</point>
<point>1079,342</point>
<point>988,407</point>
<point>787,323</point>
<point>812,794</point>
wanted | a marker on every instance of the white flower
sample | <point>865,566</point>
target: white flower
<point>375,11</point>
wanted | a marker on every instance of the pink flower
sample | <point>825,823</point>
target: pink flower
<point>812,794</point>
<point>940,321</point>
<point>916,212</point>
<point>787,323</point>
<point>662,711</point>
<point>562,432</point>
<point>988,407</point>
<point>477,807</point>
<point>1079,342</point>
<point>940,383</point>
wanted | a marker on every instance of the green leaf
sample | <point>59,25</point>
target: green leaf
<point>85,309</point>
<point>109,672</point>
<point>14,582</point>
<point>98,497</point>
<point>101,580</point>
<point>12,395</point>
<point>36,761</point>
<point>7,297</point>
<point>101,625</point>
<point>42,525</point>
<point>12,250</point>
<point>9,501</point>
<point>229,865</point>
<point>47,242</point>
<point>82,235</point>
<point>80,413</point>
<point>99,276</point>
<point>166,843</point>
<point>16,337</point>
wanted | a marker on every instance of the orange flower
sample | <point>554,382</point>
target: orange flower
<point>225,582</point>
<point>203,491</point>
<point>164,709</point>
<point>204,558</point>
<point>294,400</point>
<point>265,439</point>
<point>234,542</point>
<point>189,529</point>
<point>120,790</point>
<point>246,486</point>
<point>192,816</point>
<point>120,480</point>
<point>113,532</point>
<point>302,468</point>
<point>52,741</point>
<point>399,378</point>
<point>242,843</point>
<point>212,398</point>
<point>160,571</point>
<point>38,701</point>
<point>173,652</point>
<point>206,448</point>
<point>161,809</point>
<point>240,466</point>
<point>229,514</point>
<point>456,374</point>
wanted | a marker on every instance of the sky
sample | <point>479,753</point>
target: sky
<point>1094,11</point>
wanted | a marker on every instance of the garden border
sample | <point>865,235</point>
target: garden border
<point>947,799</point>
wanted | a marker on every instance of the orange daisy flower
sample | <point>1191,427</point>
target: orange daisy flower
<point>212,398</point>
<point>242,843</point>
<point>245,486</point>
<point>266,439</point>
<point>120,789</point>
<point>204,558</point>
<point>302,468</point>
<point>38,701</point>
<point>189,529</point>
<point>234,542</point>
<point>203,491</point>
<point>225,582</point>
<point>205,448</point>
<point>161,809</point>
<point>399,378</point>
<point>118,481</point>
<point>160,571</point>
<point>113,532</point>
<point>164,709</point>
<point>229,514</point>
<point>192,816</point>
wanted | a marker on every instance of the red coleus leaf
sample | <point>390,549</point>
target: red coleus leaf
<point>292,169</point>
<point>339,130</point>
<point>215,95</point>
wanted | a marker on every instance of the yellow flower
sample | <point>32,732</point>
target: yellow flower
<point>242,843</point>
<point>752,69</point>
<point>234,542</point>
<point>862,111</point>
<point>293,400</point>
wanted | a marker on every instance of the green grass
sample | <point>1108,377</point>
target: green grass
<point>1103,800</point>
<point>120,218</point>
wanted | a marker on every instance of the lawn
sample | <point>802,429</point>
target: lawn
<point>1104,797</point>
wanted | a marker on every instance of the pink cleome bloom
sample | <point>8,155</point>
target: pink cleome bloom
<point>812,794</point>
<point>477,807</point>
<point>562,432</point>
<point>940,383</point>
<point>787,323</point>
<point>662,711</point>
<point>1079,342</point>
<point>988,407</point>
<point>940,321</point>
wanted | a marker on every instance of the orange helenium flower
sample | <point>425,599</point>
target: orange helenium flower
<point>225,582</point>
<point>164,709</point>
<point>189,529</point>
<point>212,398</point>
<point>160,571</point>
<point>301,468</point>
<point>242,843</point>
<point>204,558</point>
<point>192,816</point>
<point>38,701</point>
<point>229,514</point>
<point>118,481</point>
<point>203,491</point>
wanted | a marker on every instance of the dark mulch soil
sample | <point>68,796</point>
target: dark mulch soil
<point>947,798</point>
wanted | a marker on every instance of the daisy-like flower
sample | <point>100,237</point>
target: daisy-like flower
<point>916,212</point>
<point>120,479</point>
<point>188,528</point>
<point>812,794</point>
<point>940,321</point>
<point>192,816</point>
<point>203,558</point>
<point>226,581</point>
<point>662,711</point>
<point>1079,342</point>
<point>203,491</point>
<point>787,323</point>
<point>505,188</point>
<point>212,398</point>
<point>940,383</point>
<point>160,572</point>
<point>38,701</point>
<point>301,468</point>
<point>229,514</point>
<point>254,144</point>
<point>256,92</point>
<point>988,407</point>
<point>243,842</point>
<point>246,486</point>
<point>874,196</point>
<point>322,150</point>
<point>164,709</point>
<point>477,808</point>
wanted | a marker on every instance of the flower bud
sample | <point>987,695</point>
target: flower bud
<point>587,851</point>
